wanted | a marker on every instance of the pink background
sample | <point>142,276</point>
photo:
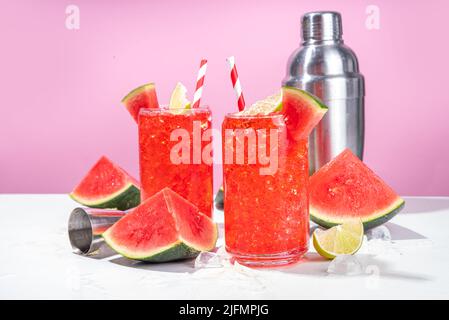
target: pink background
<point>61,89</point>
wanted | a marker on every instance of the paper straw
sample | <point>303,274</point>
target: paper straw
<point>236,83</point>
<point>199,83</point>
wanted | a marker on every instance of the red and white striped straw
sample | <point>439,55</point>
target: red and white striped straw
<point>199,84</point>
<point>236,83</point>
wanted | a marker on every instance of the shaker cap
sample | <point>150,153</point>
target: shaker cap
<point>321,25</point>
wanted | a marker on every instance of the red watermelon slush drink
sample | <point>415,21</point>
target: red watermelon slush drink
<point>265,200</point>
<point>265,168</point>
<point>174,152</point>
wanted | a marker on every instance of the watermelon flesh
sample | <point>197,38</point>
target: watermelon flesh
<point>302,112</point>
<point>141,97</point>
<point>345,188</point>
<point>166,227</point>
<point>106,185</point>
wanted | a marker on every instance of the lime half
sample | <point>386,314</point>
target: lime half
<point>266,106</point>
<point>178,99</point>
<point>346,238</point>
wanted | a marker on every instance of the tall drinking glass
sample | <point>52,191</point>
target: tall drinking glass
<point>175,151</point>
<point>265,191</point>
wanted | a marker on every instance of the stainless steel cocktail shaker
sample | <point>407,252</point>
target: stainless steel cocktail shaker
<point>324,66</point>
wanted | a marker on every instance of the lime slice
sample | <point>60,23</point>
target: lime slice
<point>266,106</point>
<point>178,99</point>
<point>346,238</point>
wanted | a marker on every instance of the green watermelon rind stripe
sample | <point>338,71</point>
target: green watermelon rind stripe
<point>178,250</point>
<point>137,91</point>
<point>126,198</point>
<point>315,101</point>
<point>368,222</point>
<point>175,251</point>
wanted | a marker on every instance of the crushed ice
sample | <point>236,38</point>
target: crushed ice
<point>218,259</point>
<point>378,241</point>
<point>208,260</point>
<point>379,233</point>
<point>220,264</point>
<point>348,265</point>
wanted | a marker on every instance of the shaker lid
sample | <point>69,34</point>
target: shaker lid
<point>322,25</point>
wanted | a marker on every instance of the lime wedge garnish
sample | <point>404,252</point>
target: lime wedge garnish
<point>178,99</point>
<point>266,106</point>
<point>346,238</point>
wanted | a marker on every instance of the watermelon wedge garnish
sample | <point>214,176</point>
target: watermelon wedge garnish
<point>166,227</point>
<point>302,112</point>
<point>106,185</point>
<point>141,97</point>
<point>345,188</point>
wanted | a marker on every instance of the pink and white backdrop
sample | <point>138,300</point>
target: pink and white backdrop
<point>61,87</point>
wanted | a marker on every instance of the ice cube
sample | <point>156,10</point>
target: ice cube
<point>347,265</point>
<point>224,255</point>
<point>379,233</point>
<point>208,260</point>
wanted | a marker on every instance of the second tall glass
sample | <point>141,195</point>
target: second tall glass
<point>175,151</point>
<point>265,190</point>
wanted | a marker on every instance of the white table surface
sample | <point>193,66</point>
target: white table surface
<point>37,262</point>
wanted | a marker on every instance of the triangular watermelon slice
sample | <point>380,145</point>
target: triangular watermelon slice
<point>345,188</point>
<point>141,97</point>
<point>302,112</point>
<point>166,227</point>
<point>106,185</point>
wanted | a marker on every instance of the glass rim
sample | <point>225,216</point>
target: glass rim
<point>235,115</point>
<point>165,108</point>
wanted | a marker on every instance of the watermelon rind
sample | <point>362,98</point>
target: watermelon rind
<point>374,220</point>
<point>137,91</point>
<point>126,198</point>
<point>178,250</point>
<point>219,199</point>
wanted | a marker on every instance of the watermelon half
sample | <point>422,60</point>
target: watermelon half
<point>107,185</point>
<point>166,227</point>
<point>302,112</point>
<point>141,97</point>
<point>345,188</point>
